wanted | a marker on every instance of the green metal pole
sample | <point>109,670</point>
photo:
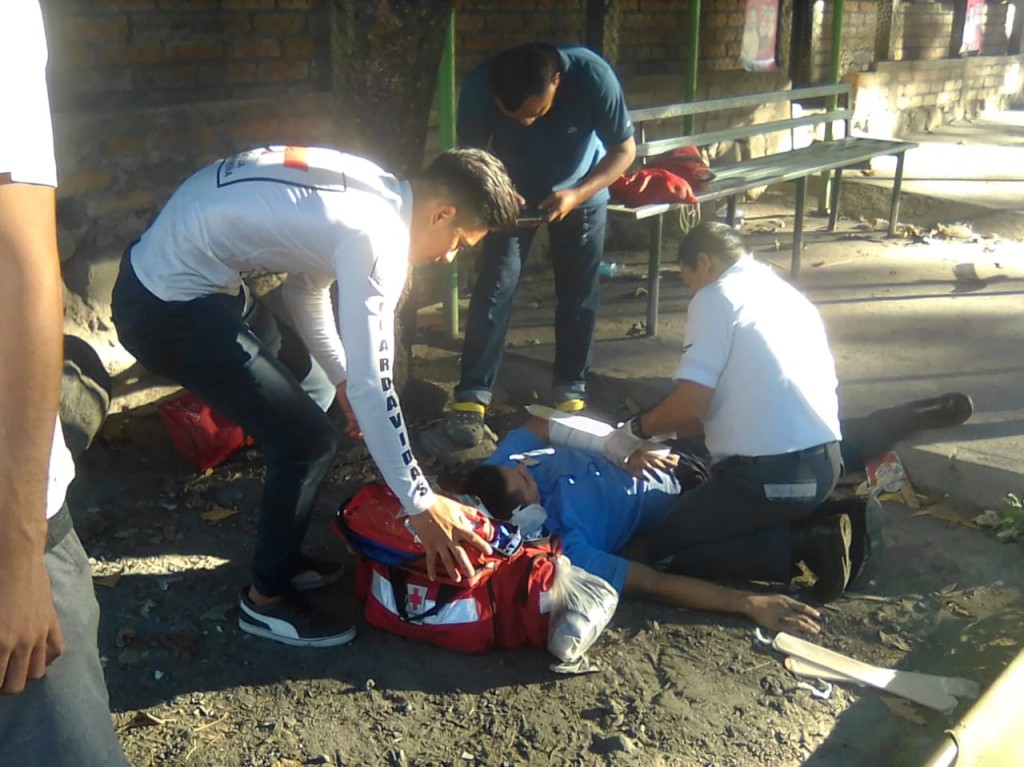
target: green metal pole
<point>690,93</point>
<point>835,56</point>
<point>446,126</point>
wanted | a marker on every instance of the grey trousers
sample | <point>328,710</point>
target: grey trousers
<point>63,719</point>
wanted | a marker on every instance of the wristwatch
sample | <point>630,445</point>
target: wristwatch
<point>636,428</point>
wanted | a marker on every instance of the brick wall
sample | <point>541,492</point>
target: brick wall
<point>995,39</point>
<point>905,96</point>
<point>131,52</point>
<point>485,26</point>
<point>653,37</point>
<point>926,31</point>
<point>652,33</point>
<point>858,44</point>
<point>722,35</point>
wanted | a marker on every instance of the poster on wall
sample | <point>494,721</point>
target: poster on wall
<point>760,28</point>
<point>974,26</point>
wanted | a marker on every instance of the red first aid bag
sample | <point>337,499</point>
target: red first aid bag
<point>649,186</point>
<point>669,177</point>
<point>201,434</point>
<point>686,163</point>
<point>506,604</point>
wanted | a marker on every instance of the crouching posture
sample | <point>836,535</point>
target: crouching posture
<point>327,219</point>
<point>597,508</point>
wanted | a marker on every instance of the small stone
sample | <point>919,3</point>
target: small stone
<point>614,744</point>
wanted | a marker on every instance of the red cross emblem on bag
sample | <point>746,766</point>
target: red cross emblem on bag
<point>415,599</point>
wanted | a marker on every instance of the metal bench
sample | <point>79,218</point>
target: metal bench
<point>822,156</point>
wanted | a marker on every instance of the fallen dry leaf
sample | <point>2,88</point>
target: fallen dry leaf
<point>904,710</point>
<point>108,581</point>
<point>957,610</point>
<point>218,514</point>
<point>909,496</point>
<point>217,612</point>
<point>946,514</point>
<point>894,640</point>
<point>145,719</point>
<point>130,657</point>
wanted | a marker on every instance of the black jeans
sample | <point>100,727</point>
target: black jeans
<point>233,358</point>
<point>577,246</point>
<point>738,524</point>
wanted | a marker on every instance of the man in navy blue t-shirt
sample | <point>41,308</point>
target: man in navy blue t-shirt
<point>557,118</point>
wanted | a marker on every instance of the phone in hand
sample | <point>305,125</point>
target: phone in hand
<point>531,217</point>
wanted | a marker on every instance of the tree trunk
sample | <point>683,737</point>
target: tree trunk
<point>385,59</point>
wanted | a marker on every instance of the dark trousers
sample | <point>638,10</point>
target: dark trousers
<point>63,719</point>
<point>233,357</point>
<point>739,524</point>
<point>577,246</point>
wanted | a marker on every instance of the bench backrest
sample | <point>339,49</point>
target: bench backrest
<point>641,117</point>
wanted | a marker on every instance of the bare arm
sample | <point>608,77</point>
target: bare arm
<point>539,427</point>
<point>603,175</point>
<point>681,411</point>
<point>773,611</point>
<point>31,311</point>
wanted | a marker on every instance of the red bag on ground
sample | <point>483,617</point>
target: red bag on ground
<point>201,434</point>
<point>505,605</point>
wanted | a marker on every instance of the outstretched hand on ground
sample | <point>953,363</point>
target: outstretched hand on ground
<point>777,612</point>
<point>443,531</point>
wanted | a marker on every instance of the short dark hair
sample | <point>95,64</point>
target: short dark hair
<point>719,241</point>
<point>487,483</point>
<point>521,72</point>
<point>477,184</point>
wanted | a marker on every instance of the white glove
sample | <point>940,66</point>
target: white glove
<point>620,445</point>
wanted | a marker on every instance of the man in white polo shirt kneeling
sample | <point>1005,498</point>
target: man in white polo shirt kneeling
<point>758,381</point>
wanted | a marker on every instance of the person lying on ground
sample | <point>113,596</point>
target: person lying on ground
<point>596,508</point>
<point>180,305</point>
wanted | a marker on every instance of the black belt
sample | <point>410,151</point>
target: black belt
<point>808,452</point>
<point>58,527</point>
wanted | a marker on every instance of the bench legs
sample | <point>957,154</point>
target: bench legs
<point>654,275</point>
<point>833,204</point>
<point>798,226</point>
<point>730,211</point>
<point>897,185</point>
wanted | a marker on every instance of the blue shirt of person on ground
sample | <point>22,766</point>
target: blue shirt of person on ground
<point>592,505</point>
<point>559,149</point>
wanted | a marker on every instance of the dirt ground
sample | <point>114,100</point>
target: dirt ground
<point>171,549</point>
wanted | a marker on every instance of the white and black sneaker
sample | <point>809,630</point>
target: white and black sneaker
<point>312,573</point>
<point>292,621</point>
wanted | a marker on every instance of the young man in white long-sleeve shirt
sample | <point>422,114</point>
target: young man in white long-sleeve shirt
<point>322,216</point>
